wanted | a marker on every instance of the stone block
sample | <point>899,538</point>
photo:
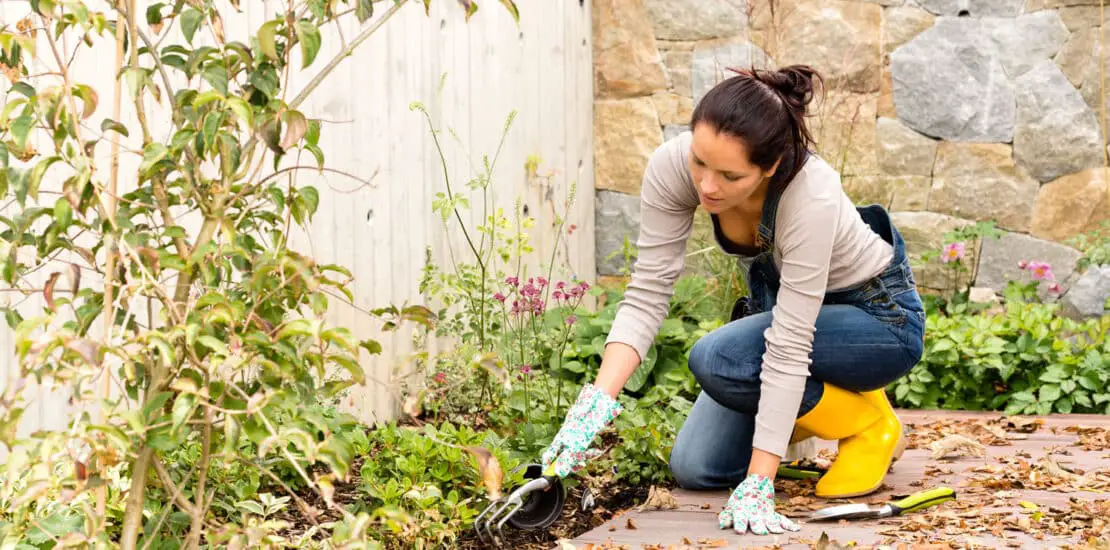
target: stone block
<point>999,259</point>
<point>902,151</point>
<point>616,218</point>
<point>626,133</point>
<point>1056,132</point>
<point>626,61</point>
<point>1073,204</point>
<point>697,20</point>
<point>924,232</point>
<point>979,181</point>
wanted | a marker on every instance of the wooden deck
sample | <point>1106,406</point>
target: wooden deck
<point>1038,484</point>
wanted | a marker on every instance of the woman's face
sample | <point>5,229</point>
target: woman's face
<point>723,174</point>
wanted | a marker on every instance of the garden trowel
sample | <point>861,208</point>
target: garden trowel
<point>912,503</point>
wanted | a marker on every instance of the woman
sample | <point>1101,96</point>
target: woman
<point>833,318</point>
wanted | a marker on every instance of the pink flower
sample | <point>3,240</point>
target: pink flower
<point>541,281</point>
<point>1042,271</point>
<point>1055,288</point>
<point>514,281</point>
<point>499,297</point>
<point>570,320</point>
<point>526,369</point>
<point>440,378</point>
<point>558,295</point>
<point>1023,264</point>
<point>952,252</point>
<point>561,285</point>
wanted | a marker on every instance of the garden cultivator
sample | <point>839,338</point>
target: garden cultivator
<point>534,505</point>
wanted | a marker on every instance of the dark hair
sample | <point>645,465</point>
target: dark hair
<point>766,109</point>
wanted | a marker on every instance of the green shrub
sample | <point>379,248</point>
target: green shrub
<point>1024,360</point>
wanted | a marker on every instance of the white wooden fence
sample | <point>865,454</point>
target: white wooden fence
<point>541,69</point>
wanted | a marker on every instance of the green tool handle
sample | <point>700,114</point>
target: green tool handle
<point>922,500</point>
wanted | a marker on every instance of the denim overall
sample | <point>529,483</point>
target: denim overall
<point>867,336</point>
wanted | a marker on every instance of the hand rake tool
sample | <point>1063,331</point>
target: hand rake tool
<point>912,503</point>
<point>534,505</point>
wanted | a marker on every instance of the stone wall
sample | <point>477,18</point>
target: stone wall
<point>947,112</point>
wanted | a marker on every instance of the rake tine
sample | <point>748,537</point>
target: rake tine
<point>518,505</point>
<point>478,520</point>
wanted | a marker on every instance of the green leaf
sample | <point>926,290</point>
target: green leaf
<point>265,80</point>
<point>190,22</point>
<point>206,97</point>
<point>212,124</point>
<point>63,213</point>
<point>109,124</point>
<point>24,88</point>
<point>182,407</point>
<point>309,37</point>
<point>266,36</point>
<point>153,153</point>
<point>317,153</point>
<point>20,129</point>
<point>154,13</point>
<point>216,75</point>
<point>1049,393</point>
<point>311,198</point>
<point>213,344</point>
<point>365,10</point>
<point>37,174</point>
<point>242,109</point>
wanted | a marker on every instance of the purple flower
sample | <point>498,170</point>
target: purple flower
<point>1042,271</point>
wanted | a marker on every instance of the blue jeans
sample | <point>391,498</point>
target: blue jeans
<point>866,337</point>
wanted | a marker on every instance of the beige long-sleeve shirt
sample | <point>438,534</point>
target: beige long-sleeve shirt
<point>821,243</point>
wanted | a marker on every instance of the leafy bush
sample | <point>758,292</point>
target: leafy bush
<point>1094,246</point>
<point>1026,360</point>
<point>215,329</point>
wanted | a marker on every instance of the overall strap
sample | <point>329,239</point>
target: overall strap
<point>766,227</point>
<point>770,209</point>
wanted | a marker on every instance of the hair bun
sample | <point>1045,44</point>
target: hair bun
<point>794,82</point>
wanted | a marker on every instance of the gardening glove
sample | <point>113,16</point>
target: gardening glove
<point>752,506</point>
<point>591,413</point>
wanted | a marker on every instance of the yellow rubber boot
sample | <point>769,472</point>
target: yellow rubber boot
<point>868,436</point>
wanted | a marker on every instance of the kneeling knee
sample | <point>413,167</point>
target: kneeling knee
<point>688,471</point>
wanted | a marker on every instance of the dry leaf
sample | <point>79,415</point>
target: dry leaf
<point>659,499</point>
<point>48,290</point>
<point>490,470</point>
<point>713,543</point>
<point>566,545</point>
<point>957,445</point>
<point>706,506</point>
<point>629,524</point>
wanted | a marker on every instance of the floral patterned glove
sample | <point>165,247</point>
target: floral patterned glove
<point>591,413</point>
<point>752,506</point>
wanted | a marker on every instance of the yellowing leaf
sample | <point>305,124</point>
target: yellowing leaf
<point>489,468</point>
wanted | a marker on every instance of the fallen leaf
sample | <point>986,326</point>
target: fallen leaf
<point>957,445</point>
<point>490,470</point>
<point>659,499</point>
<point>629,524</point>
<point>713,543</point>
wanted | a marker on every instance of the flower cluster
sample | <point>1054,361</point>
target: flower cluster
<point>1041,271</point>
<point>529,297</point>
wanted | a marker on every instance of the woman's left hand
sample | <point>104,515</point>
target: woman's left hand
<point>752,507</point>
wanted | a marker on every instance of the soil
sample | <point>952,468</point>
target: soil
<point>610,499</point>
<point>573,522</point>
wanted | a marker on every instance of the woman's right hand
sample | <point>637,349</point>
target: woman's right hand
<point>592,412</point>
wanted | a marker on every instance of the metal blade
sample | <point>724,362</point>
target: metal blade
<point>846,511</point>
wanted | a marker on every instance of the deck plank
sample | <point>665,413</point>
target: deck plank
<point>695,518</point>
